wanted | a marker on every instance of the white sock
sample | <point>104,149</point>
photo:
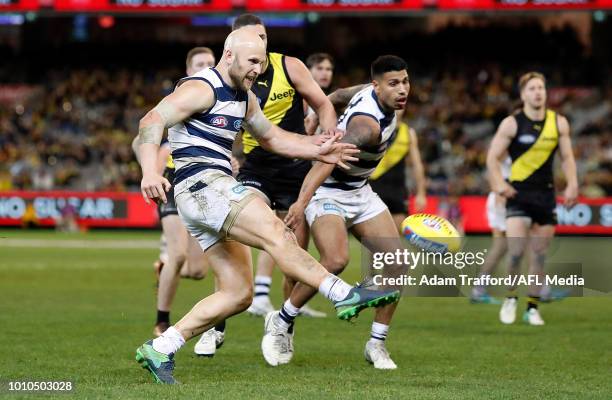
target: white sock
<point>290,309</point>
<point>169,342</point>
<point>262,285</point>
<point>379,332</point>
<point>334,288</point>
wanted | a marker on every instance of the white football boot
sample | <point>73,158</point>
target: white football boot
<point>261,306</point>
<point>507,313</point>
<point>277,343</point>
<point>533,317</point>
<point>376,353</point>
<point>209,342</point>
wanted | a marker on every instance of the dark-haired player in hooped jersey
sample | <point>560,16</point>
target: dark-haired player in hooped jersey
<point>344,201</point>
<point>531,138</point>
<point>281,89</point>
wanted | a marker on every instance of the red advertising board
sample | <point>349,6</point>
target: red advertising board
<point>333,5</point>
<point>128,210</point>
<point>588,216</point>
<point>143,5</point>
<point>103,209</point>
<point>147,6</point>
<point>19,5</point>
<point>502,5</point>
<point>398,5</point>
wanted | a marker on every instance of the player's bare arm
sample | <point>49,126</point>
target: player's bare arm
<point>341,97</point>
<point>418,171</point>
<point>312,93</point>
<point>568,163</point>
<point>361,131</point>
<point>162,157</point>
<point>323,148</point>
<point>191,97</point>
<point>497,152</point>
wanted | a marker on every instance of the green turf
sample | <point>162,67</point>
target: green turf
<point>79,314</point>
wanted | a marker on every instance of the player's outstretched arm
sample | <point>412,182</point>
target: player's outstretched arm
<point>312,93</point>
<point>323,148</point>
<point>315,177</point>
<point>568,163</point>
<point>191,97</point>
<point>418,171</point>
<point>497,152</point>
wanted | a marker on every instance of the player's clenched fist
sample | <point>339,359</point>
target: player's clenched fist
<point>154,186</point>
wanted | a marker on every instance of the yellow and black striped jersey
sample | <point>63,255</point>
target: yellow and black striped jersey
<point>532,151</point>
<point>283,105</point>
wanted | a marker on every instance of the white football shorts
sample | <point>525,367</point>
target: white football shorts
<point>208,203</point>
<point>354,206</point>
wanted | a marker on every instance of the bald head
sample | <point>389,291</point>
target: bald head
<point>246,38</point>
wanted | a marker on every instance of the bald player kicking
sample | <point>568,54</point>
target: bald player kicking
<point>344,201</point>
<point>204,114</point>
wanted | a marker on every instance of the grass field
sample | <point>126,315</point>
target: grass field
<point>75,307</point>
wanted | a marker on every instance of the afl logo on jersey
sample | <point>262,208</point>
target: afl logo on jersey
<point>526,139</point>
<point>219,121</point>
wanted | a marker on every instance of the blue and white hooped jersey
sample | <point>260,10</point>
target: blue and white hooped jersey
<point>365,103</point>
<point>204,140</point>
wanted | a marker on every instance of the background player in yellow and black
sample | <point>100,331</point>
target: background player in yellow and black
<point>389,178</point>
<point>281,89</point>
<point>531,138</point>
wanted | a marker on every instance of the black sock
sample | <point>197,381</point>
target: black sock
<point>220,327</point>
<point>163,316</point>
<point>532,302</point>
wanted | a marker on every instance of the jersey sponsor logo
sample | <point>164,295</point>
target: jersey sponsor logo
<point>237,124</point>
<point>282,95</point>
<point>219,121</point>
<point>526,139</point>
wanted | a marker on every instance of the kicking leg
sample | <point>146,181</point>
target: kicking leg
<point>331,238</point>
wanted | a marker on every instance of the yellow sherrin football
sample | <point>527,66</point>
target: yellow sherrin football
<point>431,233</point>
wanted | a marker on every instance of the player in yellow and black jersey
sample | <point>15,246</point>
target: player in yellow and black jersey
<point>389,178</point>
<point>281,89</point>
<point>531,138</point>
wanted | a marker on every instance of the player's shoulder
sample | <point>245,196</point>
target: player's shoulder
<point>294,68</point>
<point>562,123</point>
<point>509,125</point>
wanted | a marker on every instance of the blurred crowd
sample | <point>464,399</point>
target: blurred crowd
<point>76,132</point>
